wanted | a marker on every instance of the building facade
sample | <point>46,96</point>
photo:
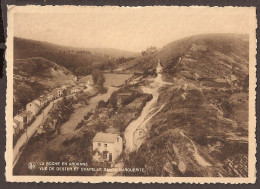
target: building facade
<point>22,119</point>
<point>107,147</point>
<point>33,107</point>
<point>58,92</point>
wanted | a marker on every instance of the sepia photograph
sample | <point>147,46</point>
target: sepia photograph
<point>131,94</point>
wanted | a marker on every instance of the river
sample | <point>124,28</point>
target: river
<point>111,80</point>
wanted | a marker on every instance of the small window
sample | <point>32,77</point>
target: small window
<point>105,145</point>
<point>105,156</point>
<point>99,144</point>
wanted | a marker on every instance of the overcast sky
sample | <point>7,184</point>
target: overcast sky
<point>132,29</point>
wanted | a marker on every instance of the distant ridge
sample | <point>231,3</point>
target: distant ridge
<point>111,52</point>
<point>217,48</point>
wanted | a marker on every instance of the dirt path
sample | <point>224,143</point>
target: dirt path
<point>200,160</point>
<point>131,133</point>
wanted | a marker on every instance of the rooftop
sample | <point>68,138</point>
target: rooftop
<point>36,103</point>
<point>105,137</point>
<point>25,113</point>
<point>42,98</point>
<point>124,94</point>
<point>16,122</point>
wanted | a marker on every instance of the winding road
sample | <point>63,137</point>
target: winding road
<point>132,137</point>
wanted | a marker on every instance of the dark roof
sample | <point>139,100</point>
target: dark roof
<point>24,114</point>
<point>124,94</point>
<point>105,137</point>
<point>17,122</point>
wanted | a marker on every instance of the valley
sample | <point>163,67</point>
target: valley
<point>181,111</point>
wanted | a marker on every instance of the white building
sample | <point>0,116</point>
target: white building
<point>108,147</point>
<point>63,87</point>
<point>50,97</point>
<point>23,118</point>
<point>58,92</point>
<point>16,127</point>
<point>74,90</point>
<point>33,107</point>
<point>43,101</point>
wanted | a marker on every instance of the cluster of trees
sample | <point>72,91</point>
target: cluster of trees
<point>150,50</point>
<point>79,62</point>
<point>122,59</point>
<point>25,93</point>
<point>99,80</point>
<point>62,113</point>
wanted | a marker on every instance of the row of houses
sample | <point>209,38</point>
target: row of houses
<point>22,119</point>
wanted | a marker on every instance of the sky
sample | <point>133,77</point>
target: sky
<point>125,28</point>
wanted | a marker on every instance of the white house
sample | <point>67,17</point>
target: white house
<point>74,90</point>
<point>108,147</point>
<point>50,97</point>
<point>33,107</point>
<point>43,101</point>
<point>89,80</point>
<point>16,127</point>
<point>63,87</point>
<point>58,92</point>
<point>23,118</point>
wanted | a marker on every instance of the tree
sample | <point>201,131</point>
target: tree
<point>98,78</point>
<point>102,104</point>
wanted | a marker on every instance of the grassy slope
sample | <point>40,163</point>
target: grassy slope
<point>214,118</point>
<point>231,46</point>
<point>33,76</point>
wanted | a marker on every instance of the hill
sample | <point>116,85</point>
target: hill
<point>78,60</point>
<point>34,76</point>
<point>208,49</point>
<point>199,124</point>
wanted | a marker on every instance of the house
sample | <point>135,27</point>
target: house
<point>68,91</point>
<point>40,130</point>
<point>38,102</point>
<point>107,147</point>
<point>63,87</point>
<point>83,85</point>
<point>33,107</point>
<point>43,101</point>
<point>58,92</point>
<point>29,116</point>
<point>50,97</point>
<point>16,127</point>
<point>23,118</point>
<point>121,97</point>
<point>74,90</point>
<point>89,80</point>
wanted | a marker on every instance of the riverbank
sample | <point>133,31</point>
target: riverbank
<point>52,148</point>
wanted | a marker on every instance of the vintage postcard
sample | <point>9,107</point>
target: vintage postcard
<point>131,94</point>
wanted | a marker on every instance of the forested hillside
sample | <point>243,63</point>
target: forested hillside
<point>34,76</point>
<point>78,60</point>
